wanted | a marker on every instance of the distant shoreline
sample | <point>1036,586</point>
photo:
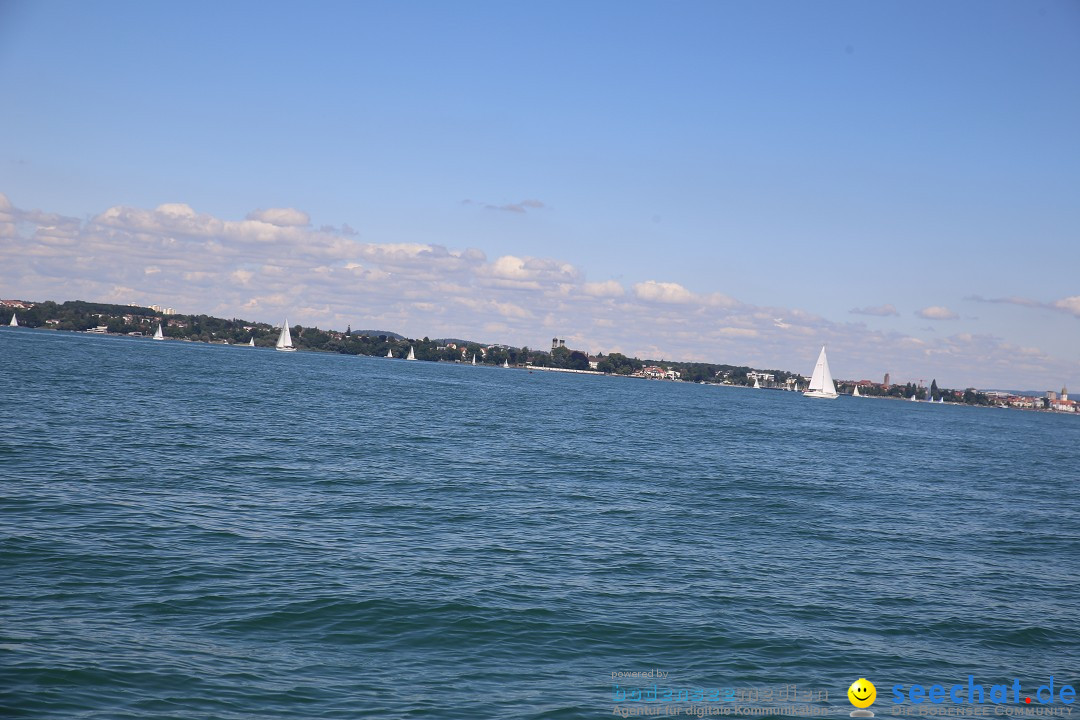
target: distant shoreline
<point>138,321</point>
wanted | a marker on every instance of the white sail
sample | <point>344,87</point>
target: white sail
<point>158,335</point>
<point>14,321</point>
<point>411,355</point>
<point>506,363</point>
<point>757,385</point>
<point>474,358</point>
<point>251,342</point>
<point>856,393</point>
<point>284,341</point>
<point>390,353</point>
<point>821,382</point>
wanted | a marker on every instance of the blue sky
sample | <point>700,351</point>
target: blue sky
<point>680,179</point>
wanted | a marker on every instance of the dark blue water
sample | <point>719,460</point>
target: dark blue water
<point>194,531</point>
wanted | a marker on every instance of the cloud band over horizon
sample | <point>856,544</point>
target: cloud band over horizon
<point>274,263</point>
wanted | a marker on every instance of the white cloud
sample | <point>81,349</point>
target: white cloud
<point>665,292</point>
<point>527,273</point>
<point>606,289</point>
<point>877,310</point>
<point>1070,305</point>
<point>937,312</point>
<point>519,207</point>
<point>676,294</point>
<point>282,217</point>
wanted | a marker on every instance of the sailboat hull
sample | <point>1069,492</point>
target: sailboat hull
<point>286,349</point>
<point>820,394</point>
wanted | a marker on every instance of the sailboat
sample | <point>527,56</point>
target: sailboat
<point>390,353</point>
<point>14,321</point>
<point>941,400</point>
<point>474,358</point>
<point>251,342</point>
<point>856,393</point>
<point>757,385</point>
<point>913,398</point>
<point>284,341</point>
<point>821,382</point>
<point>411,355</point>
<point>158,335</point>
<point>506,363</point>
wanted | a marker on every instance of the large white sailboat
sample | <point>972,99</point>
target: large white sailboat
<point>821,382</point>
<point>390,353</point>
<point>284,341</point>
<point>14,321</point>
<point>411,355</point>
<point>158,335</point>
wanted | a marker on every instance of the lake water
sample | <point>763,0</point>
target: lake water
<point>195,531</point>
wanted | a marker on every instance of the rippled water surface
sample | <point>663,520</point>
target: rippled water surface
<point>194,531</point>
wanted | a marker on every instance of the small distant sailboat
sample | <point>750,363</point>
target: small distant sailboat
<point>284,341</point>
<point>821,382</point>
<point>251,342</point>
<point>757,385</point>
<point>913,398</point>
<point>474,358</point>
<point>412,355</point>
<point>856,393</point>
<point>158,335</point>
<point>506,363</point>
<point>390,353</point>
<point>14,321</point>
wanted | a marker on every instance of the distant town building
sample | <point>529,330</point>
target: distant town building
<point>1051,395</point>
<point>1064,393</point>
<point>886,383</point>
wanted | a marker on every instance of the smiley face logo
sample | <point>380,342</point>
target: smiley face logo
<point>862,693</point>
